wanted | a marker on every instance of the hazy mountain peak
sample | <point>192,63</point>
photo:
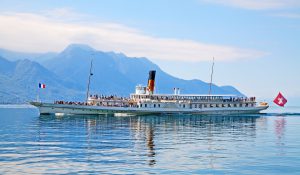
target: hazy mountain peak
<point>5,65</point>
<point>77,47</point>
<point>26,62</point>
<point>2,59</point>
<point>116,54</point>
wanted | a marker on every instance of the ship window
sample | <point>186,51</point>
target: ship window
<point>145,105</point>
<point>252,104</point>
<point>234,105</point>
<point>205,106</point>
<point>229,105</point>
<point>159,105</point>
<point>241,104</point>
<point>154,105</point>
<point>195,105</point>
<point>183,106</point>
<point>246,105</point>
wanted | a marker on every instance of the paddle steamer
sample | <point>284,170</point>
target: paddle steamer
<point>145,101</point>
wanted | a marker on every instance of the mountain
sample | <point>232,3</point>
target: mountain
<point>116,73</point>
<point>113,73</point>
<point>19,81</point>
<point>66,74</point>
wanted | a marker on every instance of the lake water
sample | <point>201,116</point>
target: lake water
<point>181,144</point>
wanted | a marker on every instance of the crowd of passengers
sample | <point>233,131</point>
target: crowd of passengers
<point>70,103</point>
<point>94,97</point>
<point>107,97</point>
<point>115,97</point>
<point>93,104</point>
<point>240,99</point>
<point>231,99</point>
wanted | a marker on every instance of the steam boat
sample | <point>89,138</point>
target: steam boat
<point>145,101</point>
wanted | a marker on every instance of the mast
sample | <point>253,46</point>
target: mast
<point>89,81</point>
<point>211,76</point>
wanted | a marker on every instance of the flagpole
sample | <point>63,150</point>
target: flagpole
<point>89,81</point>
<point>38,94</point>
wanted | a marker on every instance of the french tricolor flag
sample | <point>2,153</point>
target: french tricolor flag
<point>41,85</point>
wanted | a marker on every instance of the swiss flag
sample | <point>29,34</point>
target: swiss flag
<point>280,100</point>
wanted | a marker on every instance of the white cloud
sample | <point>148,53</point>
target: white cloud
<point>64,14</point>
<point>42,33</point>
<point>257,4</point>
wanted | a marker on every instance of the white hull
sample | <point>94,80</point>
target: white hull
<point>49,108</point>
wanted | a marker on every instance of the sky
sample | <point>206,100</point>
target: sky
<point>256,44</point>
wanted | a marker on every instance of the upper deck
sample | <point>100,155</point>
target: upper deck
<point>142,94</point>
<point>191,97</point>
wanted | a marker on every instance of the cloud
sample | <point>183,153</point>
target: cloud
<point>257,4</point>
<point>64,14</point>
<point>29,32</point>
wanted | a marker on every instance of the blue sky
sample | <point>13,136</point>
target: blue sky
<point>256,44</point>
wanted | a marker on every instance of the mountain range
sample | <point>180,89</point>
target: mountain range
<point>66,74</point>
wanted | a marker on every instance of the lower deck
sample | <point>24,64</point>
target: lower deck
<point>49,108</point>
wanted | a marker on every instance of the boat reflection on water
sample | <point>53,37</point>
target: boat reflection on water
<point>279,125</point>
<point>150,145</point>
<point>143,138</point>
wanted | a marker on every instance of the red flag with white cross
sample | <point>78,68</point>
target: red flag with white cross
<point>280,100</point>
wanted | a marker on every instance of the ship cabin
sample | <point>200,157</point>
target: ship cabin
<point>144,99</point>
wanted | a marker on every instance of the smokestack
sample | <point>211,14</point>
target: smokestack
<point>151,81</point>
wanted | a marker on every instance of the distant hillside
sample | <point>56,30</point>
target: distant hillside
<point>66,73</point>
<point>19,81</point>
